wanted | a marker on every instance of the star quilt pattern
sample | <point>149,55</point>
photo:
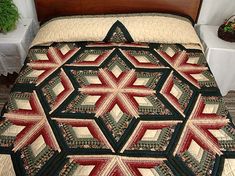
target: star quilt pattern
<point>116,107</point>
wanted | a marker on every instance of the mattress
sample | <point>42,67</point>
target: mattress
<point>116,95</point>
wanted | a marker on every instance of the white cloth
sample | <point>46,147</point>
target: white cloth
<point>220,57</point>
<point>14,46</point>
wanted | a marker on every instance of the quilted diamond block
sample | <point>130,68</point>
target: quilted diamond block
<point>57,90</point>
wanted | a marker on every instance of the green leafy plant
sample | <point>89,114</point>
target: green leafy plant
<point>9,15</point>
<point>229,26</point>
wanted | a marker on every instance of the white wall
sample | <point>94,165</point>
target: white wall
<point>26,8</point>
<point>213,12</point>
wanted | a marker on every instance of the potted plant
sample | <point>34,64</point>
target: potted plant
<point>9,15</point>
<point>227,30</point>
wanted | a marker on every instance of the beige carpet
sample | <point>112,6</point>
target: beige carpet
<point>229,99</point>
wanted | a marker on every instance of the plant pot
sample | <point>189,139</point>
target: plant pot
<point>227,36</point>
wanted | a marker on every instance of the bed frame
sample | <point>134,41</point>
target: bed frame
<point>48,9</point>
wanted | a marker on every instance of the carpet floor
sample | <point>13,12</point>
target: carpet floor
<point>6,84</point>
<point>4,94</point>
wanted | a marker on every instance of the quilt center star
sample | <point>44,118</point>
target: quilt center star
<point>120,91</point>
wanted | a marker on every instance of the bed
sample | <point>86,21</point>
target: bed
<point>116,88</point>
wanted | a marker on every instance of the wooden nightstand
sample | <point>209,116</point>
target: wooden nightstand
<point>14,46</point>
<point>220,56</point>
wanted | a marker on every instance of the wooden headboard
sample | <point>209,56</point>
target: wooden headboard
<point>48,9</point>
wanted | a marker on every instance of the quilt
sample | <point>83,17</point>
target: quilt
<point>116,107</point>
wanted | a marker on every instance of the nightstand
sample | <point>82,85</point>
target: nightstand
<point>220,56</point>
<point>14,46</point>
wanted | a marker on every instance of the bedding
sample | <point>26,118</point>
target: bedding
<point>116,95</point>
